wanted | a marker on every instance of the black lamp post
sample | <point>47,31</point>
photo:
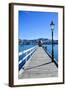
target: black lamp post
<point>52,29</point>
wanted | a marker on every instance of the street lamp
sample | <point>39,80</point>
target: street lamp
<point>52,29</point>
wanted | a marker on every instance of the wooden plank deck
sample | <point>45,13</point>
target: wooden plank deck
<point>40,66</point>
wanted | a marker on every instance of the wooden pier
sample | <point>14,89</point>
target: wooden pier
<point>40,66</point>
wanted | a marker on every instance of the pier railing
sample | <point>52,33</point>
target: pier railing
<point>55,61</point>
<point>24,56</point>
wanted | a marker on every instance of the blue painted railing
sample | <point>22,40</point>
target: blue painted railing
<point>24,56</point>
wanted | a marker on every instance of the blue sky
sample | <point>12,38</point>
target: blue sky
<point>34,25</point>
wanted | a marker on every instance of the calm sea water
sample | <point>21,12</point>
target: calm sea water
<point>24,47</point>
<point>49,49</point>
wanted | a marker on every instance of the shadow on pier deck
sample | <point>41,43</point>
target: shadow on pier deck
<point>40,66</point>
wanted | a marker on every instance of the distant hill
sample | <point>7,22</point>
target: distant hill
<point>35,41</point>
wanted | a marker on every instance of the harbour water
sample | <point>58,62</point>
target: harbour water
<point>55,47</point>
<point>24,47</point>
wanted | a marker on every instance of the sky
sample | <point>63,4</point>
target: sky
<point>34,25</point>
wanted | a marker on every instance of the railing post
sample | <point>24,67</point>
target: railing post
<point>26,55</point>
